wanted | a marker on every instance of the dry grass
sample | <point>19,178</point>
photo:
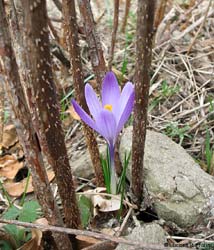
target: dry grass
<point>182,77</point>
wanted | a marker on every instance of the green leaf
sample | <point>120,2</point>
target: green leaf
<point>29,212</point>
<point>122,182</point>
<point>124,66</point>
<point>85,209</point>
<point>28,236</point>
<point>14,231</point>
<point>4,245</point>
<point>12,213</point>
<point>11,229</point>
<point>105,163</point>
<point>31,205</point>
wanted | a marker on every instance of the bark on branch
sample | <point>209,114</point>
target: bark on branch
<point>125,18</point>
<point>43,103</point>
<point>145,18</point>
<point>93,40</point>
<point>114,33</point>
<point>71,28</point>
<point>26,133</point>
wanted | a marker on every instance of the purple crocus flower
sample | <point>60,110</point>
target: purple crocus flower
<point>109,115</point>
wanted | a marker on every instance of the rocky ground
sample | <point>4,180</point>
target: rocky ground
<point>179,184</point>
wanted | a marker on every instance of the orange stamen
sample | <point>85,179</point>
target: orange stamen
<point>108,107</point>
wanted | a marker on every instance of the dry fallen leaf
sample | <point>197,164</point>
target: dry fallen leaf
<point>17,188</point>
<point>17,150</point>
<point>42,221</point>
<point>109,231</point>
<point>86,241</point>
<point>6,158</point>
<point>103,203</point>
<point>9,136</point>
<point>9,166</point>
<point>35,242</point>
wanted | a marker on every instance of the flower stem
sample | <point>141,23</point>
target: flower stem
<point>113,172</point>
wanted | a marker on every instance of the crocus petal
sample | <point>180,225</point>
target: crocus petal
<point>92,101</point>
<point>110,90</point>
<point>126,93</point>
<point>84,116</point>
<point>106,125</point>
<point>126,112</point>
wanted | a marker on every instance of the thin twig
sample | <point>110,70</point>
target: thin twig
<point>200,28</point>
<point>187,112</point>
<point>201,121</point>
<point>123,225</point>
<point>125,18</point>
<point>114,33</point>
<point>93,40</point>
<point>53,31</point>
<point>184,100</point>
<point>193,26</point>
<point>166,38</point>
<point>71,27</point>
<point>189,239</point>
<point>90,234</point>
<point>159,13</point>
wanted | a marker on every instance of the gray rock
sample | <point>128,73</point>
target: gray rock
<point>148,234</point>
<point>182,192</point>
<point>81,164</point>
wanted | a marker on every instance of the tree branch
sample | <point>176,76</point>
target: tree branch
<point>125,18</point>
<point>114,33</point>
<point>159,13</point>
<point>93,40</point>
<point>145,18</point>
<point>43,103</point>
<point>26,133</point>
<point>73,46</point>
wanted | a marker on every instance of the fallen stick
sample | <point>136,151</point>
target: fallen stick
<point>137,245</point>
